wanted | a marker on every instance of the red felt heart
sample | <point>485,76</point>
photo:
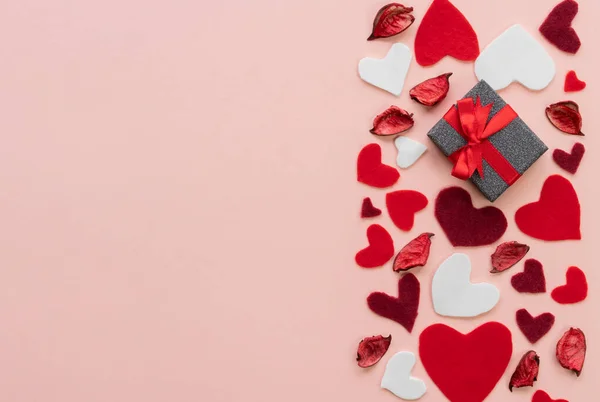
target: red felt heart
<point>569,161</point>
<point>465,225</point>
<point>402,309</point>
<point>444,31</point>
<point>541,396</point>
<point>371,171</point>
<point>368,210</point>
<point>467,367</point>
<point>572,83</point>
<point>534,328</point>
<point>380,249</point>
<point>402,206</point>
<point>557,27</point>
<point>575,290</point>
<point>556,216</point>
<point>531,280</point>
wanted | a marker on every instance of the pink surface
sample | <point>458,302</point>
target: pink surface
<point>180,211</point>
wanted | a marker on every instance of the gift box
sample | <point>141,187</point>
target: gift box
<point>486,141</point>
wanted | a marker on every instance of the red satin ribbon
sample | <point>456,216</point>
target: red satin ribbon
<point>469,119</point>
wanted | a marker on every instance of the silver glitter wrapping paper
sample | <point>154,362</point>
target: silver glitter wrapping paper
<point>516,142</point>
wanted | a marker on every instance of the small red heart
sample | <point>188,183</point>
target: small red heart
<point>572,83</point>
<point>368,210</point>
<point>380,249</point>
<point>556,216</point>
<point>402,206</point>
<point>557,27</point>
<point>467,367</point>
<point>534,328</point>
<point>575,290</point>
<point>371,171</point>
<point>531,280</point>
<point>402,309</point>
<point>465,225</point>
<point>541,396</point>
<point>569,161</point>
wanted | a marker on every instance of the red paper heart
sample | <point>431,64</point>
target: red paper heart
<point>402,309</point>
<point>557,27</point>
<point>572,83</point>
<point>444,31</point>
<point>556,216</point>
<point>465,225</point>
<point>371,171</point>
<point>531,280</point>
<point>467,367</point>
<point>380,249</point>
<point>575,290</point>
<point>541,396</point>
<point>402,206</point>
<point>368,210</point>
<point>569,161</point>
<point>534,328</point>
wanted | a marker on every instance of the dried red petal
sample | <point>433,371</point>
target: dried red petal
<point>526,372</point>
<point>431,91</point>
<point>570,350</point>
<point>391,20</point>
<point>565,116</point>
<point>393,121</point>
<point>372,349</point>
<point>414,254</point>
<point>507,255</point>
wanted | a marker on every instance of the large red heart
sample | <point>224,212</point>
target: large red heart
<point>465,225</point>
<point>402,206</point>
<point>467,367</point>
<point>541,396</point>
<point>534,328</point>
<point>556,216</point>
<point>444,31</point>
<point>380,248</point>
<point>557,27</point>
<point>575,290</point>
<point>569,161</point>
<point>371,171</point>
<point>402,309</point>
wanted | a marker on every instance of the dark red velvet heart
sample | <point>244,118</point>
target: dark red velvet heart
<point>575,290</point>
<point>542,396</point>
<point>368,210</point>
<point>380,248</point>
<point>371,171</point>
<point>402,309</point>
<point>531,280</point>
<point>569,161</point>
<point>534,328</point>
<point>557,27</point>
<point>572,83</point>
<point>402,206</point>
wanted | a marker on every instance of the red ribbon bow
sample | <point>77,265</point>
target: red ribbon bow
<point>470,120</point>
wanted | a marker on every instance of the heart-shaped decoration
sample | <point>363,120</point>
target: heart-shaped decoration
<point>464,224</point>
<point>455,296</point>
<point>531,280</point>
<point>371,171</point>
<point>388,73</point>
<point>556,216</point>
<point>467,367</point>
<point>575,290</point>
<point>557,27</point>
<point>408,151</point>
<point>569,161</point>
<point>368,210</point>
<point>402,206</point>
<point>397,379</point>
<point>572,83</point>
<point>515,56</point>
<point>534,328</point>
<point>542,396</point>
<point>402,309</point>
<point>380,249</point>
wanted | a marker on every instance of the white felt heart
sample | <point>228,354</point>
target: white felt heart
<point>387,73</point>
<point>515,56</point>
<point>455,296</point>
<point>397,379</point>
<point>408,151</point>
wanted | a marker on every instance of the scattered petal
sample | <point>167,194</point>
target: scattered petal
<point>372,349</point>
<point>391,20</point>
<point>431,91</point>
<point>414,254</point>
<point>393,121</point>
<point>565,116</point>
<point>570,350</point>
<point>507,255</point>
<point>526,372</point>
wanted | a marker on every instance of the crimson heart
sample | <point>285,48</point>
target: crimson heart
<point>541,396</point>
<point>531,280</point>
<point>368,210</point>
<point>575,290</point>
<point>572,83</point>
<point>534,328</point>
<point>380,248</point>
<point>465,225</point>
<point>556,216</point>
<point>569,161</point>
<point>371,171</point>
<point>402,206</point>
<point>557,27</point>
<point>467,367</point>
<point>402,309</point>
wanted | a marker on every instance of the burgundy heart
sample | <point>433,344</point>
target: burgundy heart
<point>368,210</point>
<point>531,280</point>
<point>557,27</point>
<point>534,328</point>
<point>402,309</point>
<point>569,161</point>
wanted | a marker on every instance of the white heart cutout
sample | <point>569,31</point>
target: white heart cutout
<point>515,56</point>
<point>455,296</point>
<point>387,73</point>
<point>397,379</point>
<point>408,151</point>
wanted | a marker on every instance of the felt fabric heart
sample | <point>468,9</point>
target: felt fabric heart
<point>402,206</point>
<point>380,249</point>
<point>397,378</point>
<point>531,280</point>
<point>408,151</point>
<point>557,27</point>
<point>465,225</point>
<point>368,210</point>
<point>575,290</point>
<point>445,31</point>
<point>387,73</point>
<point>556,216</point>
<point>371,171</point>
<point>569,161</point>
<point>534,328</point>
<point>467,367</point>
<point>402,309</point>
<point>542,396</point>
<point>572,83</point>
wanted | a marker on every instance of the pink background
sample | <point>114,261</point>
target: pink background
<point>180,212</point>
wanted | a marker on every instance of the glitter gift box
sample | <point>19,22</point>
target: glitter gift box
<point>486,141</point>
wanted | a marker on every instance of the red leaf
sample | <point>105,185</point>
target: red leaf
<point>414,254</point>
<point>393,121</point>
<point>391,20</point>
<point>372,349</point>
<point>431,91</point>
<point>526,372</point>
<point>570,350</point>
<point>565,116</point>
<point>507,255</point>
